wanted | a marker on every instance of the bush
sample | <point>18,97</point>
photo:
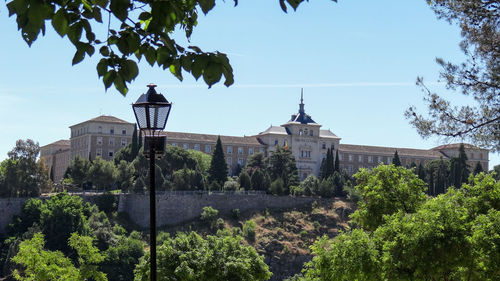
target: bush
<point>236,213</point>
<point>303,234</point>
<point>249,230</point>
<point>297,190</point>
<point>316,225</point>
<point>231,185</point>
<point>310,185</point>
<point>219,224</point>
<point>209,215</point>
<point>276,187</point>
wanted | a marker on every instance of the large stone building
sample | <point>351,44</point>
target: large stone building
<point>56,156</point>
<point>104,135</point>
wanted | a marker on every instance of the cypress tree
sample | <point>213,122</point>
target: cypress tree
<point>330,166</point>
<point>52,173</point>
<point>218,167</point>
<point>322,169</point>
<point>395,159</point>
<point>464,167</point>
<point>478,168</point>
<point>135,144</point>
<point>337,162</point>
<point>421,172</point>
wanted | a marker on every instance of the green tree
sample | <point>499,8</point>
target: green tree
<point>385,190</point>
<point>496,170</point>
<point>395,159</point>
<point>125,175</point>
<point>421,171</point>
<point>218,167</point>
<point>310,185</point>
<point>254,162</point>
<point>459,169</point>
<point>79,170</point>
<point>190,257</point>
<point>277,187</point>
<point>337,161</point>
<point>187,179</point>
<point>22,174</point>
<point>245,181</point>
<point>282,165</point>
<point>478,168</point>
<point>42,265</point>
<point>477,77</point>
<point>134,146</point>
<point>121,259</point>
<point>102,173</point>
<point>260,180</point>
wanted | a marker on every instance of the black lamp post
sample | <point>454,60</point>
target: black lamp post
<point>151,112</point>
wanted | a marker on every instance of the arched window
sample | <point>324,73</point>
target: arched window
<point>300,132</point>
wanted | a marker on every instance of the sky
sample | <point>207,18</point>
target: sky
<point>356,61</point>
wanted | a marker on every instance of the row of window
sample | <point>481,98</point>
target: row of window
<point>369,158</point>
<point>229,149</point>
<point>240,161</point>
<point>84,130</point>
<point>111,130</point>
<point>98,152</point>
<point>306,132</point>
<point>111,141</point>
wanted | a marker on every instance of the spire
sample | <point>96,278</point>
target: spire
<point>301,108</point>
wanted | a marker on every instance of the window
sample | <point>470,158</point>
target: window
<point>197,147</point>
<point>471,155</point>
<point>323,156</point>
<point>111,141</point>
<point>99,129</point>
<point>349,169</point>
<point>124,142</point>
<point>379,159</point>
<point>305,132</point>
<point>481,156</point>
<point>351,157</point>
<point>305,154</point>
<point>208,148</point>
<point>261,150</point>
<point>98,152</point>
<point>112,130</point>
<point>323,146</point>
<point>341,156</point>
<point>276,142</point>
<point>99,141</point>
<point>360,158</point>
<point>124,132</point>
<point>110,153</point>
<point>332,146</point>
<point>186,146</point>
<point>229,150</point>
<point>240,161</point>
<point>389,160</point>
<point>229,160</point>
<point>370,159</point>
<point>311,133</point>
<point>300,132</point>
<point>250,150</point>
<point>174,144</point>
<point>240,150</point>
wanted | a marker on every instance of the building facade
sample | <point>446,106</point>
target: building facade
<point>56,157</point>
<point>103,136</point>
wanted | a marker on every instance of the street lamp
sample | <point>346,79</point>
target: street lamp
<point>151,112</point>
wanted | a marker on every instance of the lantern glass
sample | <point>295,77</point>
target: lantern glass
<point>151,111</point>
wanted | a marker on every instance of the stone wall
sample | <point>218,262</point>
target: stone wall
<point>175,208</point>
<point>9,207</point>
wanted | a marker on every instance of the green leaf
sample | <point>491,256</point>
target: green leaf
<point>120,85</point>
<point>79,55</point>
<point>199,64</point>
<point>150,55</point>
<point>212,74</point>
<point>283,5</point>
<point>60,22</point>
<point>133,70</point>
<point>75,32</point>
<point>109,78</point>
<point>144,16</point>
<point>102,67</point>
<point>120,8</point>
<point>97,14</point>
<point>206,5</point>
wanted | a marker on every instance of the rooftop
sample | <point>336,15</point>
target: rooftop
<point>456,146</point>
<point>390,151</point>
<point>105,119</point>
<point>58,143</point>
<point>204,138</point>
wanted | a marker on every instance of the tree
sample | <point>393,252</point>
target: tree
<point>496,170</point>
<point>453,236</point>
<point>260,180</point>
<point>459,169</point>
<point>245,181</point>
<point>135,144</point>
<point>327,165</point>
<point>478,77</point>
<point>478,168</point>
<point>386,190</point>
<point>421,171</point>
<point>102,173</point>
<point>188,256</point>
<point>337,161</point>
<point>282,165</point>
<point>125,175</point>
<point>22,174</point>
<point>218,167</point>
<point>79,170</point>
<point>395,159</point>
<point>42,265</point>
<point>140,140</point>
<point>146,34</point>
<point>121,259</point>
<point>310,185</point>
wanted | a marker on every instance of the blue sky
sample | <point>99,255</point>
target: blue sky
<point>356,60</point>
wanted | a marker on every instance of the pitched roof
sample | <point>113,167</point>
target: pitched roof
<point>191,137</point>
<point>59,143</point>
<point>456,146</point>
<point>327,134</point>
<point>105,119</point>
<point>380,150</point>
<point>277,130</point>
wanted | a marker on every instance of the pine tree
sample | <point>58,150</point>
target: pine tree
<point>421,172</point>
<point>135,143</point>
<point>459,169</point>
<point>218,167</point>
<point>478,168</point>
<point>337,161</point>
<point>395,159</point>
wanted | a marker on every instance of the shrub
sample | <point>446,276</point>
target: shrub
<point>316,225</point>
<point>219,224</point>
<point>303,234</point>
<point>297,190</point>
<point>209,215</point>
<point>236,213</point>
<point>276,187</point>
<point>231,185</point>
<point>249,230</point>
<point>107,202</point>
